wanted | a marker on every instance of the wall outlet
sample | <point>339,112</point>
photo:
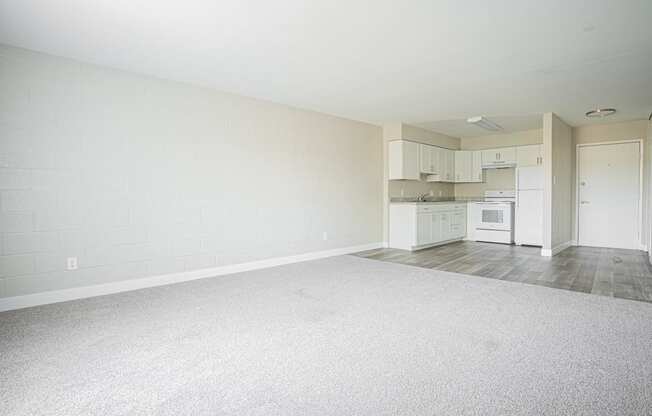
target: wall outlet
<point>402,192</point>
<point>441,193</point>
<point>71,263</point>
<point>324,236</point>
<point>431,193</point>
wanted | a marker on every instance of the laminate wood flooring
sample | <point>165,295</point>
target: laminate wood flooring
<point>603,271</point>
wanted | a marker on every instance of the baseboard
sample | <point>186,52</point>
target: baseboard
<point>43,298</point>
<point>556,249</point>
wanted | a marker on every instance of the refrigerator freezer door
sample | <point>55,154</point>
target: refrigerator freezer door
<point>530,178</point>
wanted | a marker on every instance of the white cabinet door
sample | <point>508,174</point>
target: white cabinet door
<point>458,223</point>
<point>501,156</point>
<point>489,157</point>
<point>436,227</point>
<point>424,228</point>
<point>443,163</point>
<point>476,167</point>
<point>463,166</point>
<point>425,164</point>
<point>529,155</point>
<point>445,226</point>
<point>529,218</point>
<point>448,167</point>
<point>403,160</point>
<point>429,159</point>
<point>507,155</point>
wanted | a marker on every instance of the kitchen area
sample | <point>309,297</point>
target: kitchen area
<point>490,195</point>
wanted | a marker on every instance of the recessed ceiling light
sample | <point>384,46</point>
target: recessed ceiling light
<point>484,123</point>
<point>600,112</point>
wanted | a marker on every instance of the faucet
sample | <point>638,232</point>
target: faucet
<point>422,197</point>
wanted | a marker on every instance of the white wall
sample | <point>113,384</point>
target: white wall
<point>138,176</point>
<point>557,210</point>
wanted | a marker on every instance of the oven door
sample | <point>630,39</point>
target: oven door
<point>493,216</point>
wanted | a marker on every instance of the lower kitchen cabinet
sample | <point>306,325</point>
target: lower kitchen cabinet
<point>413,226</point>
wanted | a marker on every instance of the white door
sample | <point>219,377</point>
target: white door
<point>608,195</point>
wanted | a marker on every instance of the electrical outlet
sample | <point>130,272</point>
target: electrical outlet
<point>441,193</point>
<point>431,193</point>
<point>324,236</point>
<point>402,192</point>
<point>71,263</point>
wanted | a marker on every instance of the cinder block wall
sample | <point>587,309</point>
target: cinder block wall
<point>137,176</point>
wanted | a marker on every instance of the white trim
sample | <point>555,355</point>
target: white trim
<point>43,298</point>
<point>556,249</point>
<point>641,151</point>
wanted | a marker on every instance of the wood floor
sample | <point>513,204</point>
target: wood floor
<point>602,271</point>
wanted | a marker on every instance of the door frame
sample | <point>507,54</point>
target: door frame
<point>640,185</point>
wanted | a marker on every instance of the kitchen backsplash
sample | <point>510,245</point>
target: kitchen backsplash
<point>495,179</point>
<point>414,188</point>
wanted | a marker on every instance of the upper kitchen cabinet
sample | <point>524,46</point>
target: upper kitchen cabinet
<point>429,159</point>
<point>529,155</point>
<point>447,165</point>
<point>498,157</point>
<point>468,166</point>
<point>403,160</point>
<point>477,174</point>
<point>463,166</point>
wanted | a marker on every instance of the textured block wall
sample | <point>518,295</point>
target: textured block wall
<point>136,177</point>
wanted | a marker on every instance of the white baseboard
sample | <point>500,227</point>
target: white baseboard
<point>556,249</point>
<point>43,298</point>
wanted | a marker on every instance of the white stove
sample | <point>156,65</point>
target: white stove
<point>494,217</point>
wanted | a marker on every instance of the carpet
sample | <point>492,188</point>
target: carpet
<point>338,336</point>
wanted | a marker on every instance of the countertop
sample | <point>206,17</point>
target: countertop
<point>458,200</point>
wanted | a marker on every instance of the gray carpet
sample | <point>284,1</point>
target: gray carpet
<point>340,336</point>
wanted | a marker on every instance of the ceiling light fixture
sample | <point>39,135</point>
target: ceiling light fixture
<point>600,112</point>
<point>484,123</point>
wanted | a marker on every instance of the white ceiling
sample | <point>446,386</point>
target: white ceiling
<point>416,61</point>
<point>509,124</point>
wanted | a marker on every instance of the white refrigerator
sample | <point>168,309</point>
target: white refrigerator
<point>529,206</point>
